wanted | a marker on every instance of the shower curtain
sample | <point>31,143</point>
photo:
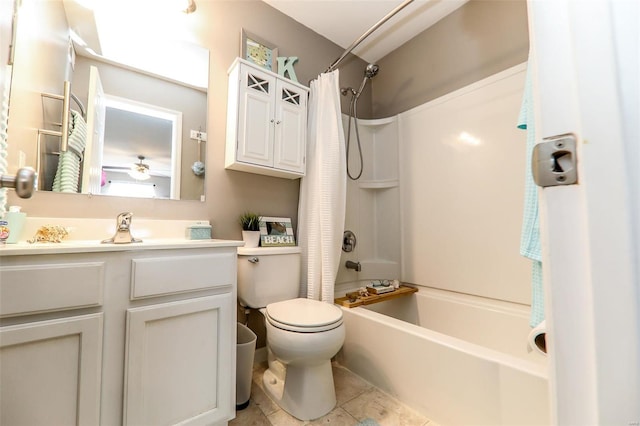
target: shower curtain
<point>322,205</point>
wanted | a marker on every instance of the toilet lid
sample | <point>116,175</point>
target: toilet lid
<point>304,315</point>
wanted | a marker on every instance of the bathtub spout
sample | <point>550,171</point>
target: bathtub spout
<point>353,265</point>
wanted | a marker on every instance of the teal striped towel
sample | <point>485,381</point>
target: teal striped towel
<point>530,237</point>
<point>68,172</point>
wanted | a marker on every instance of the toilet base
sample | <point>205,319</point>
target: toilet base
<point>306,393</point>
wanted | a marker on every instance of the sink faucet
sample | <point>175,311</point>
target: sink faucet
<point>123,231</point>
<point>353,265</point>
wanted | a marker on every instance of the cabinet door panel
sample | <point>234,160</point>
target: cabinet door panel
<point>179,362</point>
<point>50,372</point>
<point>290,132</point>
<point>255,127</point>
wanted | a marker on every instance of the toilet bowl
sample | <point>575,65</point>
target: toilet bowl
<point>302,334</point>
<point>302,337</point>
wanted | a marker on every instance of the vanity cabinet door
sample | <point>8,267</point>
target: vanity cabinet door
<point>180,362</point>
<point>50,372</point>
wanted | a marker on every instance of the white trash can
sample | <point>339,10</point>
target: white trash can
<point>245,350</point>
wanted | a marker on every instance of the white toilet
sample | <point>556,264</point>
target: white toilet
<point>302,334</point>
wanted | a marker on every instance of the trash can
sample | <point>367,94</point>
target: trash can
<point>245,349</point>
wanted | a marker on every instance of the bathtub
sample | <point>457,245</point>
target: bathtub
<point>457,359</point>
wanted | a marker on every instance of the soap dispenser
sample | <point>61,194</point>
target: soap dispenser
<point>15,222</point>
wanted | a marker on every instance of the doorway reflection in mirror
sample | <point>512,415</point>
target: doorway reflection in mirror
<point>155,132</point>
<point>131,189</point>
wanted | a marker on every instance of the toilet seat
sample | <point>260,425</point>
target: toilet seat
<point>303,315</point>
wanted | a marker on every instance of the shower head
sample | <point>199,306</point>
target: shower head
<point>369,72</point>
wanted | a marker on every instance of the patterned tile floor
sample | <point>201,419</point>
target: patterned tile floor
<point>356,400</point>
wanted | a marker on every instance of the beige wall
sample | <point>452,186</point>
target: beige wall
<point>228,193</point>
<point>481,38</point>
<point>44,32</point>
<point>6,12</point>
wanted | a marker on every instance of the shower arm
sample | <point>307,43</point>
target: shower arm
<point>360,39</point>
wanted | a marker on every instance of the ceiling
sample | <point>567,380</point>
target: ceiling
<point>343,21</point>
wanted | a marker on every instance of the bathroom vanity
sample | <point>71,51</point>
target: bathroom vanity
<point>118,333</point>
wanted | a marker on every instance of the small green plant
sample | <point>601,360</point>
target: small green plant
<point>250,221</point>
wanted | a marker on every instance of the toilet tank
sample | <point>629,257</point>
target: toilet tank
<point>267,275</point>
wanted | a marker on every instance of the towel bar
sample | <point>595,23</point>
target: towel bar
<point>66,98</point>
<point>64,131</point>
<point>39,147</point>
<point>63,134</point>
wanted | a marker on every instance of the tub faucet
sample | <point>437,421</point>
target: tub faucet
<point>353,265</point>
<point>123,231</point>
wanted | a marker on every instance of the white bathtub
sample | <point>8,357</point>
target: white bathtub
<point>457,359</point>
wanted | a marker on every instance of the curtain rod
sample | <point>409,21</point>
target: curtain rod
<point>366,34</point>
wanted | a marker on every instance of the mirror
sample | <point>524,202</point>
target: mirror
<point>141,95</point>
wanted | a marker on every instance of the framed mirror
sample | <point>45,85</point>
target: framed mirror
<point>137,99</point>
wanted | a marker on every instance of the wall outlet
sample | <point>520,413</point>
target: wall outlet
<point>196,134</point>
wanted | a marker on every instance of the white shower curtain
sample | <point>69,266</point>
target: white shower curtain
<point>323,190</point>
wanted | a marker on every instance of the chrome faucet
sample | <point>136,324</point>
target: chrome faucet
<point>353,265</point>
<point>123,231</point>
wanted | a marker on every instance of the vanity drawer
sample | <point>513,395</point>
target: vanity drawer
<point>157,276</point>
<point>29,289</point>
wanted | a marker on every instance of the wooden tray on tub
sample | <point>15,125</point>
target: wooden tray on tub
<point>404,290</point>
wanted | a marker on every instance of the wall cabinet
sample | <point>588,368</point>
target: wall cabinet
<point>266,122</point>
<point>133,337</point>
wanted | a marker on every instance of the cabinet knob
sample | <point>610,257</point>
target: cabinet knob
<point>278,122</point>
<point>272,120</point>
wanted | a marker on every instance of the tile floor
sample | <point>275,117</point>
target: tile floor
<point>356,400</point>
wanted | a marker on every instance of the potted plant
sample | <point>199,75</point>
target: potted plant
<point>250,223</point>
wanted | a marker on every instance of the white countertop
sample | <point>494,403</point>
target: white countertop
<point>92,246</point>
<point>85,236</point>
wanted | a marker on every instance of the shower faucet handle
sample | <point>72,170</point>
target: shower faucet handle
<point>348,241</point>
